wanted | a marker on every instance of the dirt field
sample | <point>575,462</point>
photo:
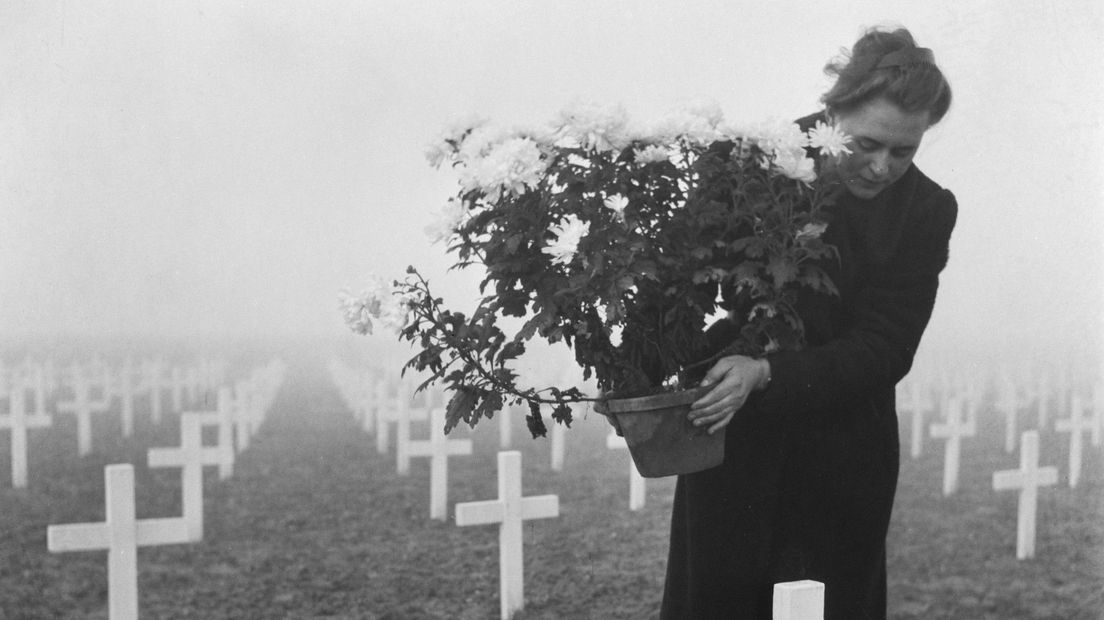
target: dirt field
<point>315,523</point>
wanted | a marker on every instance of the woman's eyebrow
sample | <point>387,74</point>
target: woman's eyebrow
<point>875,142</point>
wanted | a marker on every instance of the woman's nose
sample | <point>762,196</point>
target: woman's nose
<point>879,164</point>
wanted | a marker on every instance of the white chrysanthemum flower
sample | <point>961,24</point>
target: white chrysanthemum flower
<point>480,142</point>
<point>448,220</point>
<point>696,122</point>
<point>651,154</point>
<point>568,234</point>
<point>580,162</point>
<point>511,166</point>
<point>379,301</point>
<point>617,204</point>
<point>449,141</point>
<point>777,136</point>
<point>357,311</point>
<point>829,139</point>
<point>795,165</point>
<point>594,127</point>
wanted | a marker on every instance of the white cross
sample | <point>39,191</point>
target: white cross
<point>400,411</point>
<point>1009,404</point>
<point>953,429</point>
<point>917,401</point>
<point>1075,425</point>
<point>438,448</point>
<point>505,427</point>
<point>124,388</point>
<point>82,407</point>
<point>39,381</point>
<point>396,409</point>
<point>222,417</point>
<point>19,422</point>
<point>152,377</point>
<point>1042,397</point>
<point>636,481</point>
<point>191,456</point>
<point>364,403</point>
<point>242,407</point>
<point>120,534</point>
<point>509,510</point>
<point>557,446</point>
<point>798,600</point>
<point>384,407</point>
<point>1027,480</point>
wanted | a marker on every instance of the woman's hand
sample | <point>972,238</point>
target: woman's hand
<point>733,378</point>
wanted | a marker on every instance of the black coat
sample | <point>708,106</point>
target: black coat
<point>810,471</point>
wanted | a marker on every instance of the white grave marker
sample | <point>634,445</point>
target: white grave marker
<point>124,388</point>
<point>438,448</point>
<point>505,427</point>
<point>509,511</point>
<point>1027,480</point>
<point>1009,404</point>
<point>402,413</point>
<point>917,401</point>
<point>121,533</point>
<point>1075,425</point>
<point>153,381</point>
<point>241,406</point>
<point>557,446</point>
<point>798,600</point>
<point>1042,397</point>
<point>39,382</point>
<point>82,407</point>
<point>222,417</point>
<point>19,423</point>
<point>191,456</point>
<point>636,481</point>
<point>953,429</point>
<point>384,406</point>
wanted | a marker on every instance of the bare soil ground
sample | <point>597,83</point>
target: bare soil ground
<point>315,523</point>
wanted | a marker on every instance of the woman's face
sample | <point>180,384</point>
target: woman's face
<point>884,139</point>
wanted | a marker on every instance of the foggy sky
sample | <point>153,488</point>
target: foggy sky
<point>214,168</point>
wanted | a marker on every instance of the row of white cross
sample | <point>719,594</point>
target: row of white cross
<point>149,378</point>
<point>919,396</point>
<point>121,533</point>
<point>93,389</point>
<point>378,404</point>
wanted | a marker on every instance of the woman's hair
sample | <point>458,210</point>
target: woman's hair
<point>888,64</point>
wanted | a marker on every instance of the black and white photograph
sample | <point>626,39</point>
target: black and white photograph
<point>518,310</point>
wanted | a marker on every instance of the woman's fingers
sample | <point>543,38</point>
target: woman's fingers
<point>721,424</point>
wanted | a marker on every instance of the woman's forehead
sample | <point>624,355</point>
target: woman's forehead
<point>886,123</point>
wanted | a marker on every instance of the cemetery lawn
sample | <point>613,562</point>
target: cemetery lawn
<point>315,523</point>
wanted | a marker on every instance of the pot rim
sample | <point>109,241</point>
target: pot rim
<point>664,400</point>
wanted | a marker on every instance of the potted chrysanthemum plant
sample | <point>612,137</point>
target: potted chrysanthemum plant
<point>615,240</point>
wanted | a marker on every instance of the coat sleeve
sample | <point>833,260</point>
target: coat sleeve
<point>890,314</point>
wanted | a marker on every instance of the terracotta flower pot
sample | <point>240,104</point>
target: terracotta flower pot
<point>662,441</point>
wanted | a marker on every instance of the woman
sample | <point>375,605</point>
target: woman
<point>810,471</point>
